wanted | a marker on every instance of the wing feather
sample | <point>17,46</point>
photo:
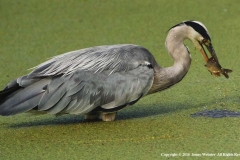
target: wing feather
<point>101,78</point>
<point>51,98</point>
<point>110,92</point>
<point>23,99</point>
<point>113,58</point>
<point>60,105</point>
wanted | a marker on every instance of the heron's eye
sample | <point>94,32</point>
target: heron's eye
<point>206,42</point>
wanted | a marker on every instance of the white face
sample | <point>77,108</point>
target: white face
<point>195,37</point>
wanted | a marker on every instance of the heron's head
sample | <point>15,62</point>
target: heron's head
<point>199,35</point>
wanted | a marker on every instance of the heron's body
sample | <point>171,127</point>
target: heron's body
<point>98,80</point>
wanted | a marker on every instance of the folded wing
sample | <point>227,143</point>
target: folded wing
<point>105,78</point>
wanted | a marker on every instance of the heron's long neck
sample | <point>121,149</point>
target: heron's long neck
<point>166,77</point>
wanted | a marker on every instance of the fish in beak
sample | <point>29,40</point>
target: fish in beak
<point>216,69</point>
<point>212,64</point>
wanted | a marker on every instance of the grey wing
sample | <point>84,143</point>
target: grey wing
<point>78,82</point>
<point>82,92</point>
<point>112,58</point>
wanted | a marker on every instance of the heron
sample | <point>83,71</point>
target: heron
<point>99,81</point>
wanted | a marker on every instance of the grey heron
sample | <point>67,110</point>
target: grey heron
<point>97,82</point>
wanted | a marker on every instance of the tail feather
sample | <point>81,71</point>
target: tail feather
<point>7,91</point>
<point>21,107</point>
<point>17,99</point>
<point>10,88</point>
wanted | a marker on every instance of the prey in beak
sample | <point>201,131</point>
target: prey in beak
<point>212,63</point>
<point>210,48</point>
<point>216,69</point>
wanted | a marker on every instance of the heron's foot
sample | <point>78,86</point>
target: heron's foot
<point>107,117</point>
<point>91,117</point>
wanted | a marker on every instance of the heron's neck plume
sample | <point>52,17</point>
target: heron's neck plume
<point>166,77</point>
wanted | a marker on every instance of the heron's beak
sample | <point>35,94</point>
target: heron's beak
<point>210,49</point>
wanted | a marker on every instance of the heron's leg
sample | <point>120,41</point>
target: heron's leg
<point>91,117</point>
<point>107,117</point>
